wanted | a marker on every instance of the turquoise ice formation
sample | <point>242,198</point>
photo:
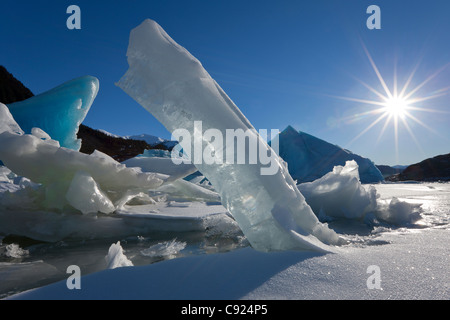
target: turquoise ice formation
<point>59,111</point>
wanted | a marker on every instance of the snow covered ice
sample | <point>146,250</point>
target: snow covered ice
<point>59,111</point>
<point>172,84</point>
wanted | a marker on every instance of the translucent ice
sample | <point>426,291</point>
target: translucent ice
<point>172,84</point>
<point>59,111</point>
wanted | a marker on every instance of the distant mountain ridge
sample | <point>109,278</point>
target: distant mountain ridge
<point>388,171</point>
<point>11,89</point>
<point>431,169</point>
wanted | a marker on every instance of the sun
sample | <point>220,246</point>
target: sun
<point>396,107</point>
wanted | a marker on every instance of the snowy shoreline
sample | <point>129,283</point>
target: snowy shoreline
<point>413,265</point>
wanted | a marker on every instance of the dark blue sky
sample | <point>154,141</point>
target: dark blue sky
<point>282,62</point>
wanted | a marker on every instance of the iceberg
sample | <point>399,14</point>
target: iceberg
<point>310,158</point>
<point>59,111</point>
<point>173,86</point>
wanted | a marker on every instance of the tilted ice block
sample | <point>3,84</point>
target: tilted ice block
<point>172,85</point>
<point>59,111</point>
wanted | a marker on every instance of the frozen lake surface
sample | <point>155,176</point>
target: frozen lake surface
<point>213,260</point>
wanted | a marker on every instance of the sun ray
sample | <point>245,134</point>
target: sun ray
<point>413,136</point>
<point>415,100</point>
<point>388,120</point>
<point>396,138</point>
<point>375,68</point>
<point>397,106</point>
<point>428,110</point>
<point>382,96</point>
<point>368,128</point>
<point>426,81</point>
<point>409,115</point>
<point>372,102</point>
<point>411,76</point>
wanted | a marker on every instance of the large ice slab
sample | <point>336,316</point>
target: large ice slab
<point>59,111</point>
<point>172,85</point>
<point>310,158</point>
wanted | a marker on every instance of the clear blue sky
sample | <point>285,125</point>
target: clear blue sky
<point>282,62</point>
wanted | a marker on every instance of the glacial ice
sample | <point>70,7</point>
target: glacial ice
<point>172,85</point>
<point>59,111</point>
<point>68,176</point>
<point>310,158</point>
<point>340,195</point>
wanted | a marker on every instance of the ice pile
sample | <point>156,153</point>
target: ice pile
<point>310,158</point>
<point>340,195</point>
<point>89,183</point>
<point>172,85</point>
<point>64,107</point>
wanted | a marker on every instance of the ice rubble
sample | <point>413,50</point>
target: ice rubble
<point>172,85</point>
<point>64,107</point>
<point>116,257</point>
<point>66,173</point>
<point>340,195</point>
<point>309,158</point>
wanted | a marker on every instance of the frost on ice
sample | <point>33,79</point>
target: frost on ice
<point>64,109</point>
<point>172,85</point>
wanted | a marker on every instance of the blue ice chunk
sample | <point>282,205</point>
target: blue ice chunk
<point>59,111</point>
<point>310,158</point>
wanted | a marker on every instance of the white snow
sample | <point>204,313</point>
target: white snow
<point>413,265</point>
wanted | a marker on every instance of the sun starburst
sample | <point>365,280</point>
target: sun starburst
<point>394,106</point>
